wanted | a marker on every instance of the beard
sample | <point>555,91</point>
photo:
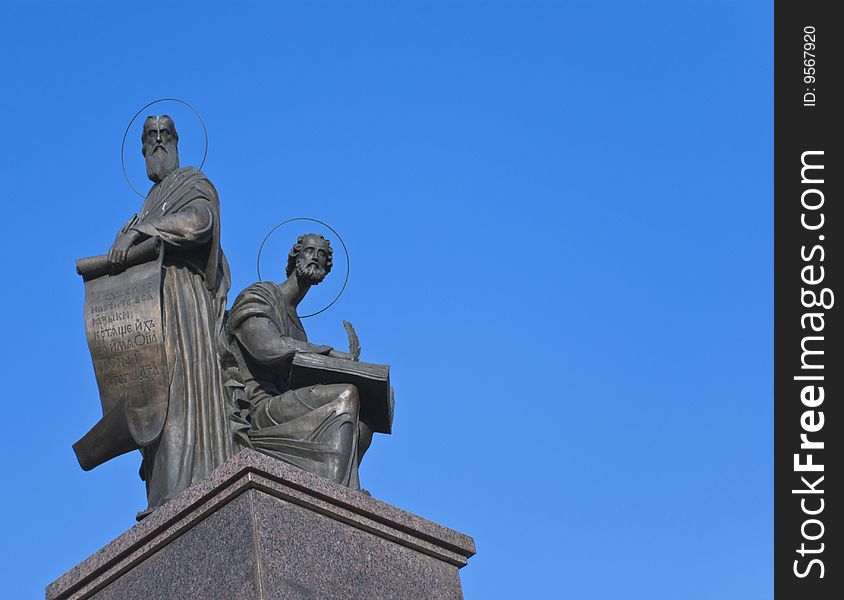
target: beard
<point>162,162</point>
<point>310,273</point>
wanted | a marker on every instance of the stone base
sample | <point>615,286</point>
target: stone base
<point>257,528</point>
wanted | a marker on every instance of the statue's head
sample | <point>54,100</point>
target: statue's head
<point>310,258</point>
<point>160,147</point>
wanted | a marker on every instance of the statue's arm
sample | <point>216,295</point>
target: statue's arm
<point>264,342</point>
<point>125,239</point>
<point>189,227</point>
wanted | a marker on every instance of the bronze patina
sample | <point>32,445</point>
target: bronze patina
<point>188,383</point>
<point>301,402</point>
<point>181,212</point>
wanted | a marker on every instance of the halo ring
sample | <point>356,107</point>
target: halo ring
<point>129,126</point>
<point>342,243</point>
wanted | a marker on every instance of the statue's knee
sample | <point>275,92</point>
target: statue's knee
<point>348,398</point>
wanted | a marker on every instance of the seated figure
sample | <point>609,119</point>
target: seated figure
<point>316,428</point>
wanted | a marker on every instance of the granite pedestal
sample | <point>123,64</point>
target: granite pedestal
<point>257,528</point>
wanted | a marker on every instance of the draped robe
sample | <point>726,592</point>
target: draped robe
<point>183,210</point>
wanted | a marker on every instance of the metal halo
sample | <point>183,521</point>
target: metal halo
<point>342,243</point>
<point>129,126</point>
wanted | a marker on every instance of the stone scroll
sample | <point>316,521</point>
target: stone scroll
<point>123,323</point>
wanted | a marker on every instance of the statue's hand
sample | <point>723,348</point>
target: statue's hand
<point>340,354</point>
<point>120,249</point>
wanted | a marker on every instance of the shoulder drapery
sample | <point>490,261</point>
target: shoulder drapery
<point>184,211</point>
<point>259,300</point>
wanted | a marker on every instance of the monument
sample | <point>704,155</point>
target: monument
<point>250,434</point>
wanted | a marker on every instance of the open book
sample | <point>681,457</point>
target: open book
<point>372,381</point>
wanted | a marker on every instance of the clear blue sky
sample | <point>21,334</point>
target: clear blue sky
<point>560,217</point>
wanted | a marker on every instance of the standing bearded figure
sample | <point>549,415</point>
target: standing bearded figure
<point>183,210</point>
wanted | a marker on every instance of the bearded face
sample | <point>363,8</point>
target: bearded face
<point>309,272</point>
<point>160,147</point>
<point>312,260</point>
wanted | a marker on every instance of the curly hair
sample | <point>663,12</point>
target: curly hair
<point>297,247</point>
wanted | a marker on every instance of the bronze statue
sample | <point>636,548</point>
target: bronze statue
<point>187,383</point>
<point>319,427</point>
<point>187,435</point>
